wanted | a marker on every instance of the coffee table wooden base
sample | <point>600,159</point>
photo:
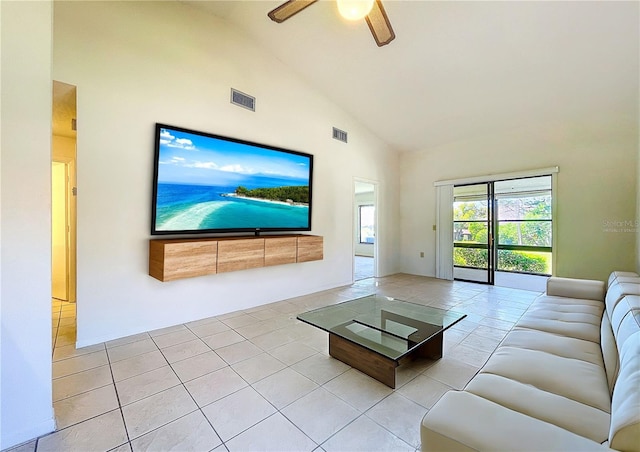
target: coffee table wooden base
<point>374,364</point>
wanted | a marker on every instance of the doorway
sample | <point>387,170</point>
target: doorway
<point>63,215</point>
<point>503,232</point>
<point>473,233</point>
<point>365,230</point>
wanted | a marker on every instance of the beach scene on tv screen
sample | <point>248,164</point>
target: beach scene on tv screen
<point>210,183</point>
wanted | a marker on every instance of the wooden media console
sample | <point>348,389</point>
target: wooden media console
<point>173,259</point>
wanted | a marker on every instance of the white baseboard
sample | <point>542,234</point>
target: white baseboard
<point>536,283</point>
<point>11,439</point>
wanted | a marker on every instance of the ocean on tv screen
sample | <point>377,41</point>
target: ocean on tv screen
<point>184,207</point>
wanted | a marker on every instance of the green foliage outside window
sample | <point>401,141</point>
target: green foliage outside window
<point>470,257</point>
<point>522,261</point>
<point>534,227</point>
<point>523,221</point>
<point>516,261</point>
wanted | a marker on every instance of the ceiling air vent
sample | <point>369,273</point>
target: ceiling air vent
<point>243,100</point>
<point>340,135</point>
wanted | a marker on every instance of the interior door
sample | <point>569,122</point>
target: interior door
<point>59,232</point>
<point>473,218</point>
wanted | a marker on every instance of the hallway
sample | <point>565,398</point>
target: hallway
<point>63,326</point>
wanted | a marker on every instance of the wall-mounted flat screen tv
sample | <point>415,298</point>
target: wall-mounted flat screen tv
<point>206,183</point>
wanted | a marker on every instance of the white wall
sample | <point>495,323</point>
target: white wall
<point>25,225</point>
<point>137,63</point>
<point>597,155</point>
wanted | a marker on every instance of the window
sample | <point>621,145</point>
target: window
<point>366,216</point>
<point>524,225</point>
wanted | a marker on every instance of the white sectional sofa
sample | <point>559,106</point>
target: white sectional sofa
<point>567,377</point>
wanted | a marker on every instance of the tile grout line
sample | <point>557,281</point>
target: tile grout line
<point>182,383</point>
<point>198,407</point>
<point>115,388</point>
<point>249,385</point>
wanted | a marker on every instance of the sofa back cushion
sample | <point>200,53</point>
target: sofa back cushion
<point>576,288</point>
<point>609,351</point>
<point>617,291</point>
<point>620,284</point>
<point>621,276</point>
<point>625,403</point>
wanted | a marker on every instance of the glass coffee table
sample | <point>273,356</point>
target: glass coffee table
<point>375,334</point>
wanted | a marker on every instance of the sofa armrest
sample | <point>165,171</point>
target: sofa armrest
<point>576,288</point>
<point>461,421</point>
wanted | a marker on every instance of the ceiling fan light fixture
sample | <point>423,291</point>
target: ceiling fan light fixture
<point>371,10</point>
<point>354,9</point>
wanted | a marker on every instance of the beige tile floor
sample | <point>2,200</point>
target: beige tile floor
<point>363,267</point>
<point>260,380</point>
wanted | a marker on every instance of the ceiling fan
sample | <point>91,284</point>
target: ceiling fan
<point>371,10</point>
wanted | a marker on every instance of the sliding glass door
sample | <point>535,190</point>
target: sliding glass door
<point>524,225</point>
<point>473,233</point>
<point>501,229</point>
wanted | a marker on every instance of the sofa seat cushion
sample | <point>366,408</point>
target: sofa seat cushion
<point>577,380</point>
<point>574,306</point>
<point>461,421</point>
<point>582,310</point>
<point>552,300</point>
<point>561,325</point>
<point>573,416</point>
<point>567,347</point>
<point>571,317</point>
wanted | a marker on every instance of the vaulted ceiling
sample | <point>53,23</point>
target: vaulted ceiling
<point>457,70</point>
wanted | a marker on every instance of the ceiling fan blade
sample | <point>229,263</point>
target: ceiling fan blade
<point>379,25</point>
<point>288,9</point>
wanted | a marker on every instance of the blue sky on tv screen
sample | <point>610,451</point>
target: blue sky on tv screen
<point>187,158</point>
